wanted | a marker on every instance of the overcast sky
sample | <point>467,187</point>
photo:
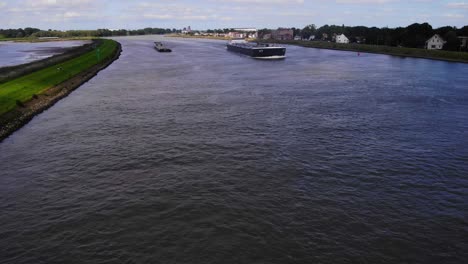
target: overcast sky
<point>204,14</point>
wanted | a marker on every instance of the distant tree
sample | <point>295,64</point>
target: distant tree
<point>29,31</point>
<point>263,32</point>
<point>374,36</point>
<point>452,42</point>
<point>325,29</point>
<point>296,31</point>
<point>463,31</point>
<point>308,31</point>
<point>442,31</point>
<point>416,35</point>
<point>397,36</point>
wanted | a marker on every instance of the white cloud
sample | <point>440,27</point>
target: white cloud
<point>282,2</point>
<point>453,16</point>
<point>364,1</point>
<point>460,5</point>
<point>58,3</point>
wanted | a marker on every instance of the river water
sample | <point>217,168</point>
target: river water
<point>14,53</point>
<point>206,156</point>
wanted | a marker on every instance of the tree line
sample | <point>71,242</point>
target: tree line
<point>37,33</point>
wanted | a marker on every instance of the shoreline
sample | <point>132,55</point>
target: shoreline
<point>21,115</point>
<point>439,55</point>
<point>449,56</point>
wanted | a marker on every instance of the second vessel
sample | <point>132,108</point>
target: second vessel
<point>257,50</point>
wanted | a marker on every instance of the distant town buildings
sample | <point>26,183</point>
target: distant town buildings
<point>235,34</point>
<point>342,39</point>
<point>435,43</point>
<point>243,33</point>
<point>187,30</point>
<point>282,34</point>
<point>267,36</point>
<point>249,32</point>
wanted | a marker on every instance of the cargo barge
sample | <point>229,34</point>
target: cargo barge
<point>257,50</point>
<point>161,48</point>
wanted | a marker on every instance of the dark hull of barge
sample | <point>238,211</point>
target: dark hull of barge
<point>259,52</point>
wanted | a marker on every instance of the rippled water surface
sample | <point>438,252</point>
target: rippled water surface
<point>14,53</point>
<point>205,156</point>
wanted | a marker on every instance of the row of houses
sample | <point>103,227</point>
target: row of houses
<point>280,34</point>
<point>436,42</point>
<point>243,33</point>
<point>288,34</point>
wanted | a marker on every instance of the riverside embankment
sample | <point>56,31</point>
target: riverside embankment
<point>22,98</point>
<point>388,50</point>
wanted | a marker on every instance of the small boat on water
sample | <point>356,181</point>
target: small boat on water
<point>257,50</point>
<point>161,48</point>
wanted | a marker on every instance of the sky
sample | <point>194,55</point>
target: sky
<point>211,14</point>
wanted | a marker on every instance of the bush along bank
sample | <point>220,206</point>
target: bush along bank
<point>388,50</point>
<point>24,97</point>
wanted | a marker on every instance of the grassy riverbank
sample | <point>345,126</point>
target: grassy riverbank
<point>18,91</point>
<point>24,97</point>
<point>396,51</point>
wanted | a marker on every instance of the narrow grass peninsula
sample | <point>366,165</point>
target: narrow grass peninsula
<point>24,97</point>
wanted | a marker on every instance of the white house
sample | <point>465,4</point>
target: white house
<point>342,39</point>
<point>464,42</point>
<point>248,32</point>
<point>435,43</point>
<point>297,37</point>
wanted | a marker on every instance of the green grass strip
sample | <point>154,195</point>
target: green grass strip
<point>23,88</point>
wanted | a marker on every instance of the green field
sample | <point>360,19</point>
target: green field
<point>22,89</point>
<point>397,51</point>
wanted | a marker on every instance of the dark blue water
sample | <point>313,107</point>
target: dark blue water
<point>205,156</point>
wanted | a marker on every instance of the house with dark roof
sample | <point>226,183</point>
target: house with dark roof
<point>282,34</point>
